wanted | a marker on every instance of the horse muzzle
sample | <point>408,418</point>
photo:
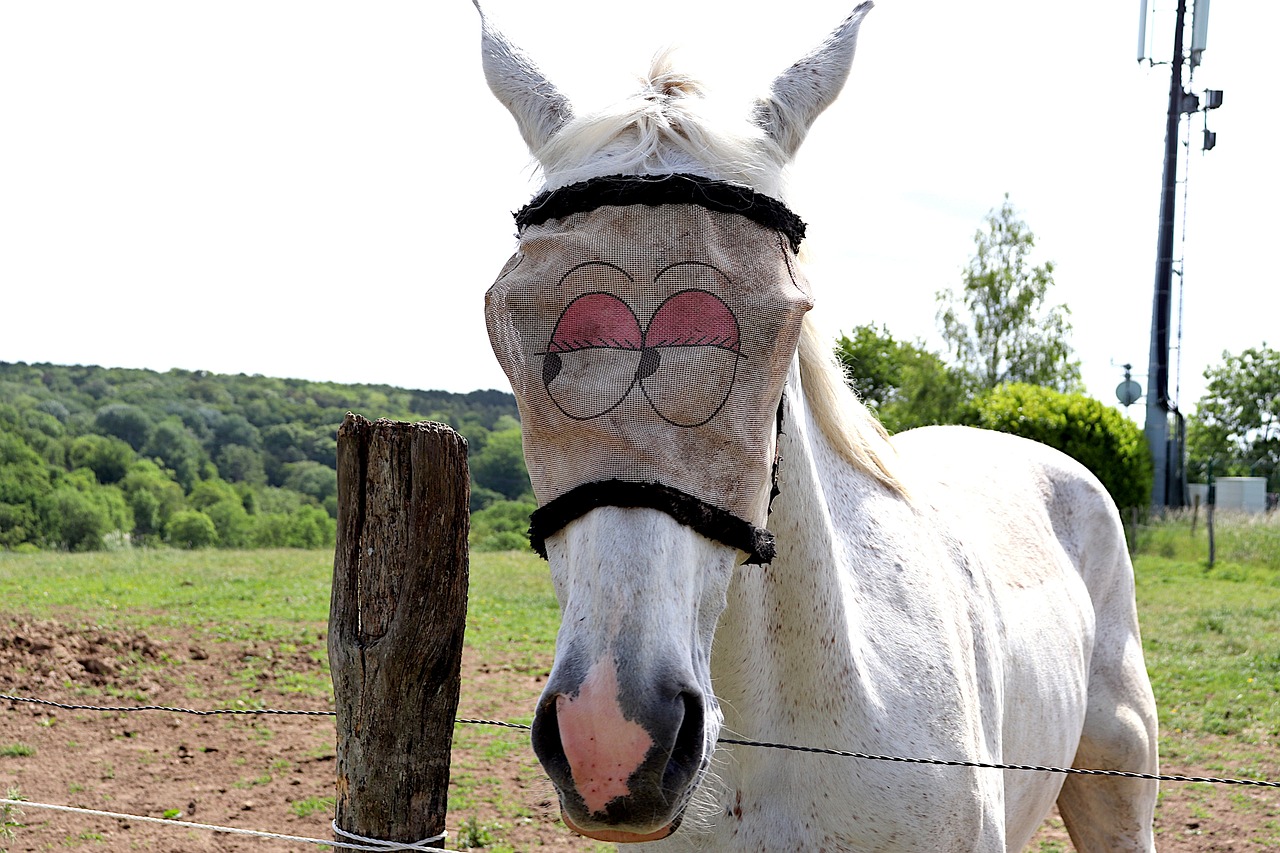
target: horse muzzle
<point>624,762</point>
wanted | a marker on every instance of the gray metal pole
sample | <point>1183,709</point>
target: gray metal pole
<point>1157,426</point>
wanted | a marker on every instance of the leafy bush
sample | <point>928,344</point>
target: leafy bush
<point>501,526</point>
<point>79,515</point>
<point>234,525</point>
<point>191,528</point>
<point>1096,436</point>
<point>305,527</point>
<point>18,524</point>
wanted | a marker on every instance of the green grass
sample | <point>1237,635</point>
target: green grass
<point>1212,635</point>
<point>10,815</point>
<point>275,595</point>
<point>1241,541</point>
<point>243,594</point>
<point>312,805</point>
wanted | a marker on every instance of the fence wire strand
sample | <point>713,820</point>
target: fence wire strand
<point>132,708</point>
<point>186,824</point>
<point>814,750</point>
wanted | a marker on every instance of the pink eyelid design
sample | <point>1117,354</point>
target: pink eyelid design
<point>688,318</point>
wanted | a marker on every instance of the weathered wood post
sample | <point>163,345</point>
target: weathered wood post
<point>396,619</point>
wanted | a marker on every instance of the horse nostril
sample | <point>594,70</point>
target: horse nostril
<point>686,752</point>
<point>546,743</point>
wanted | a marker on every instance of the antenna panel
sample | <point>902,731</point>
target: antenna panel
<point>1199,30</point>
<point>1142,30</point>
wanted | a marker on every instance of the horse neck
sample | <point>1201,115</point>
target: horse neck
<point>795,622</point>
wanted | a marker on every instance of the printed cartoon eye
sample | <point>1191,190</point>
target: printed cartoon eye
<point>592,358</point>
<point>695,344</point>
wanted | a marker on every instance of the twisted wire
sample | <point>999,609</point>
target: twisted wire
<point>815,750</point>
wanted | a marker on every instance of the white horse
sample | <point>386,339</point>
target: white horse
<point>948,593</point>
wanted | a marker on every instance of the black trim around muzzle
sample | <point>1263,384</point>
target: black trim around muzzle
<point>711,521</point>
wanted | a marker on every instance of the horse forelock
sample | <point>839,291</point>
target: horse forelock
<point>667,126</point>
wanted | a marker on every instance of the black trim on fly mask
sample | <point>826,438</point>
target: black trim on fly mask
<point>711,521</point>
<point>655,190</point>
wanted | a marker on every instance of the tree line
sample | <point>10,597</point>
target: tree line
<point>94,457</point>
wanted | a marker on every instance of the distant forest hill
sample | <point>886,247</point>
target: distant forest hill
<point>94,457</point>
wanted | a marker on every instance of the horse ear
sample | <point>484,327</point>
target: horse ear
<point>807,88</point>
<point>540,110</point>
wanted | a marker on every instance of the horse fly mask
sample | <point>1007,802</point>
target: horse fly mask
<point>647,325</point>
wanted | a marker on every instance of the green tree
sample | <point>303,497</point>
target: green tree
<point>81,523</point>
<point>153,497</point>
<point>109,458</point>
<point>236,429</point>
<point>1237,420</point>
<point>126,422</point>
<point>997,329</point>
<point>311,478</point>
<point>311,527</point>
<point>25,482</point>
<point>241,464</point>
<point>1095,435</point>
<point>178,450</point>
<point>188,427</point>
<point>906,385</point>
<point>19,524</point>
<point>224,505</point>
<point>306,527</point>
<point>282,445</point>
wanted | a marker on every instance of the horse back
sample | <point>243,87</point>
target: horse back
<point>1025,505</point>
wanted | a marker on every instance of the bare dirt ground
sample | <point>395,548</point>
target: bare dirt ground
<point>276,773</point>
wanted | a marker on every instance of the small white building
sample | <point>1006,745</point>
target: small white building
<point>1242,493</point>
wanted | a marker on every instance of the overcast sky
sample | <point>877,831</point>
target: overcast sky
<point>323,190</point>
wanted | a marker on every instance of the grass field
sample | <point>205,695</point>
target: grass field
<point>1212,635</point>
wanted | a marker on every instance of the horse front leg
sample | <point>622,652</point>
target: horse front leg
<point>1112,814</point>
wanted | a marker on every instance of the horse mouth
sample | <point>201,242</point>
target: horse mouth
<point>619,836</point>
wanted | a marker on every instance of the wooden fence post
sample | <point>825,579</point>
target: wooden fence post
<point>396,619</point>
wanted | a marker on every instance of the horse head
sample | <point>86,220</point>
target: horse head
<point>647,323</point>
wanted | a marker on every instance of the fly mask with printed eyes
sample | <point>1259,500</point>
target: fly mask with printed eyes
<point>647,325</point>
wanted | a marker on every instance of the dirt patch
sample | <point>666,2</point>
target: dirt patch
<point>276,773</point>
<point>272,773</point>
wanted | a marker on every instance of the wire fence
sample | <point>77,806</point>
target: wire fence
<point>813,750</point>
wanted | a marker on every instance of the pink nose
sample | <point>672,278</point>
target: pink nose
<point>604,749</point>
<point>623,757</point>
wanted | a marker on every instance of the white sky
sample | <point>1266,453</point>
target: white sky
<point>323,190</point>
